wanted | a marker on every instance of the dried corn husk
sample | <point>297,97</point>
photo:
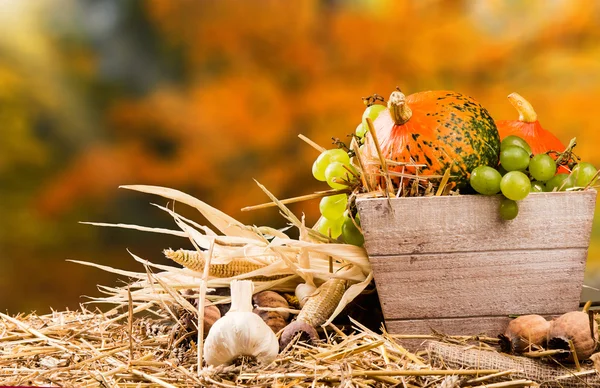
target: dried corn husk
<point>284,262</point>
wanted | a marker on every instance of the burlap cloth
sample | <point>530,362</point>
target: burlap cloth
<point>545,373</point>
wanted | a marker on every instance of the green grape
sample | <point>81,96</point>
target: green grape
<point>513,140</point>
<point>508,209</point>
<point>485,180</point>
<point>514,158</point>
<point>584,173</point>
<point>325,159</point>
<point>537,187</point>
<point>333,207</point>
<point>317,172</point>
<point>336,172</point>
<point>542,167</point>
<point>560,182</point>
<point>350,232</point>
<point>331,228</point>
<point>515,185</point>
<point>372,112</point>
<point>361,130</point>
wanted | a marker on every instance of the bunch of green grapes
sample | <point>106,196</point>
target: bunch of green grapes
<point>333,166</point>
<point>373,110</point>
<point>520,173</point>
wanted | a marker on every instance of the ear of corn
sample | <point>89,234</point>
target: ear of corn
<point>319,307</point>
<point>193,260</point>
<point>292,300</point>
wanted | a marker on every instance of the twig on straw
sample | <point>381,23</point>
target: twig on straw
<point>307,197</point>
<point>201,297</point>
<point>312,143</point>
<point>443,183</point>
<point>492,376</point>
<point>36,333</point>
<point>130,324</point>
<point>544,353</point>
<point>153,379</point>
<point>359,158</point>
<point>574,355</point>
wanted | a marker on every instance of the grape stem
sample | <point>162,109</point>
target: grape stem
<point>565,156</point>
<point>374,99</point>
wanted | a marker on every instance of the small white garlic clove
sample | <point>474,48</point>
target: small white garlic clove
<point>240,332</point>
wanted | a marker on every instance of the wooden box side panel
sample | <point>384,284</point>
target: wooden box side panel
<point>471,223</point>
<point>479,284</point>
<point>488,326</point>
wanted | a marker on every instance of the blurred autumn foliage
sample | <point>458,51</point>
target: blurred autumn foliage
<point>204,96</point>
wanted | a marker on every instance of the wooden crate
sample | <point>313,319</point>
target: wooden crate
<point>450,263</point>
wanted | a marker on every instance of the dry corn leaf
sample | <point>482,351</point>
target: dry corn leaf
<point>307,258</point>
<point>223,222</point>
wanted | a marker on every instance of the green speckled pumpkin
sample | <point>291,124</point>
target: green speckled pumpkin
<point>440,129</point>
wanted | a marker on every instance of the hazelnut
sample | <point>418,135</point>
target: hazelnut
<point>575,326</point>
<point>276,320</point>
<point>524,333</point>
<point>211,314</point>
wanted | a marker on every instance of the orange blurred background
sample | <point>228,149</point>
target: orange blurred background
<point>205,96</point>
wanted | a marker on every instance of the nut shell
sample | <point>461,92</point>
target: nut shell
<point>307,333</point>
<point>276,320</point>
<point>211,315</point>
<point>574,326</point>
<point>524,333</point>
<point>272,299</point>
<point>273,319</point>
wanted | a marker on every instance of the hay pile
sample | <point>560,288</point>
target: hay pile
<point>140,347</point>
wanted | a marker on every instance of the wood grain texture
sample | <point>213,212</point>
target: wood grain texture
<point>471,223</point>
<point>451,263</point>
<point>478,283</point>
<point>488,326</point>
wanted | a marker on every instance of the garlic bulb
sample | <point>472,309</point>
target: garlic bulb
<point>240,332</point>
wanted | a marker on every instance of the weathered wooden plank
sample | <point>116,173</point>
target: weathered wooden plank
<point>471,223</point>
<point>479,283</point>
<point>488,326</point>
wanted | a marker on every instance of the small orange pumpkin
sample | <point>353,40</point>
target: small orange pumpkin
<point>528,128</point>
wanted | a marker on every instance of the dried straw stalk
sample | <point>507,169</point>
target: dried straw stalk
<point>111,350</point>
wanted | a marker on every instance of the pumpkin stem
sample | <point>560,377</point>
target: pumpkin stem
<point>399,110</point>
<point>525,109</point>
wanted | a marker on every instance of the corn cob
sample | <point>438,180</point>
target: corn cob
<point>193,260</point>
<point>292,300</point>
<point>316,310</point>
<point>319,307</point>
